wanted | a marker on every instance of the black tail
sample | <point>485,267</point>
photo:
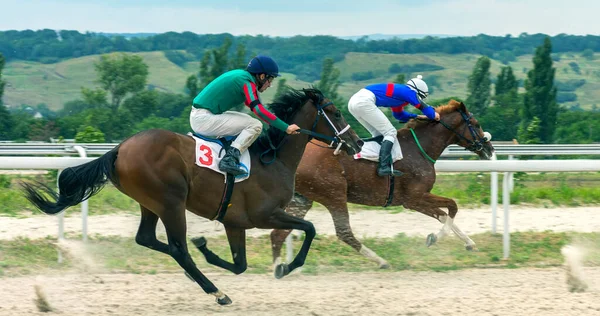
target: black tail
<point>75,184</point>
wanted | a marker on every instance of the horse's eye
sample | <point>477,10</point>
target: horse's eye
<point>338,115</point>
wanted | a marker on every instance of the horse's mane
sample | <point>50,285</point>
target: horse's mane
<point>284,107</point>
<point>449,107</point>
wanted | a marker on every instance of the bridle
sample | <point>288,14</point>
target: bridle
<point>335,141</point>
<point>476,143</point>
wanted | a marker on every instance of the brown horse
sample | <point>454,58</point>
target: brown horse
<point>335,181</point>
<point>156,168</point>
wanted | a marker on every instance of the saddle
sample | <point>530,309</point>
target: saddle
<point>209,152</point>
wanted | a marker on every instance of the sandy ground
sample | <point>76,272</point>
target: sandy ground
<point>468,292</point>
<point>364,223</point>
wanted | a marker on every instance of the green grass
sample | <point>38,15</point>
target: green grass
<point>54,84</point>
<point>469,190</point>
<point>327,255</point>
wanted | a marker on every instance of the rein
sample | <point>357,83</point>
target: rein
<point>335,140</point>
<point>421,148</point>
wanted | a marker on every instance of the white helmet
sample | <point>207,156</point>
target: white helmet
<point>417,84</point>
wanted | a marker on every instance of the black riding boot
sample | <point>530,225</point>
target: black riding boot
<point>385,160</point>
<point>231,162</point>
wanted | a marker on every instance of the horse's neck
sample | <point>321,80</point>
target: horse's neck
<point>292,150</point>
<point>434,139</point>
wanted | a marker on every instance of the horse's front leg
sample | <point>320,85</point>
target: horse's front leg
<point>431,204</point>
<point>298,206</point>
<point>237,244</point>
<point>279,219</point>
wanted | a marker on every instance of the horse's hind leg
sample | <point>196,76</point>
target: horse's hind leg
<point>146,235</point>
<point>175,225</point>
<point>279,219</point>
<point>298,206</point>
<point>341,221</point>
<point>237,244</point>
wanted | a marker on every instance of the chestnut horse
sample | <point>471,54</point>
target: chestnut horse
<point>156,168</point>
<point>335,181</point>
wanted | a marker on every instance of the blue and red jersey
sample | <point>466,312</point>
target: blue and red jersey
<point>396,96</point>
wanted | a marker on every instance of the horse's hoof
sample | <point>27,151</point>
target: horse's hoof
<point>189,277</point>
<point>225,300</point>
<point>431,239</point>
<point>199,242</point>
<point>281,270</point>
<point>384,265</point>
<point>471,248</point>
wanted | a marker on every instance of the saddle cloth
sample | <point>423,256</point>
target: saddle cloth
<point>210,153</point>
<point>370,151</point>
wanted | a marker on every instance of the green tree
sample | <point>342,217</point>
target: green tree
<point>540,97</point>
<point>6,121</point>
<point>191,86</point>
<point>329,82</point>
<point>2,83</point>
<point>121,75</point>
<point>281,87</point>
<point>239,61</point>
<point>502,118</point>
<point>89,134</point>
<point>531,132</point>
<point>478,87</point>
<point>214,63</point>
<point>42,130</point>
<point>400,78</point>
<point>506,81</point>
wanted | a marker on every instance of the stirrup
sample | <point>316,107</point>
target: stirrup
<point>236,172</point>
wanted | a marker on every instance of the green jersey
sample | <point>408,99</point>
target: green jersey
<point>231,89</point>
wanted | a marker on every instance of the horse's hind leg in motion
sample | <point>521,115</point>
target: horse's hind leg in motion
<point>338,209</point>
<point>146,235</point>
<point>298,206</point>
<point>237,244</point>
<point>430,205</point>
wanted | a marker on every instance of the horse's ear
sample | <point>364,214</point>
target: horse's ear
<point>462,107</point>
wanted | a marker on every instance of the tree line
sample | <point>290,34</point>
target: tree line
<point>124,104</point>
<point>301,55</point>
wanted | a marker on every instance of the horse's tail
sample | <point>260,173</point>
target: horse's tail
<point>75,184</point>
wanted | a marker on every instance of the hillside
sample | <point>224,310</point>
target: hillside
<point>54,84</point>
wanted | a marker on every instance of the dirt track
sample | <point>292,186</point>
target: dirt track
<point>364,223</point>
<point>469,292</point>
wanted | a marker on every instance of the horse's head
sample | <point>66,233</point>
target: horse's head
<point>329,124</point>
<point>468,133</point>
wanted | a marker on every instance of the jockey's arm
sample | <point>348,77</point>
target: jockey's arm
<point>428,110</point>
<point>253,102</point>
<point>401,115</point>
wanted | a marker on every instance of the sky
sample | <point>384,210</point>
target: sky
<point>306,17</point>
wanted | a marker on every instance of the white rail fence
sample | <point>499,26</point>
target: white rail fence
<point>494,166</point>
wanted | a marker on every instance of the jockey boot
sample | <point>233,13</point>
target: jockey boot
<point>385,160</point>
<point>231,162</point>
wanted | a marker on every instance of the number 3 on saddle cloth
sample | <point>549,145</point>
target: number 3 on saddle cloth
<point>209,152</point>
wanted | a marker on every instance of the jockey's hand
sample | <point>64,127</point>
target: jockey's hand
<point>293,129</point>
<point>423,117</point>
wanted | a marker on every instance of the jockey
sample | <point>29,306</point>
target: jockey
<point>363,106</point>
<point>211,115</point>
